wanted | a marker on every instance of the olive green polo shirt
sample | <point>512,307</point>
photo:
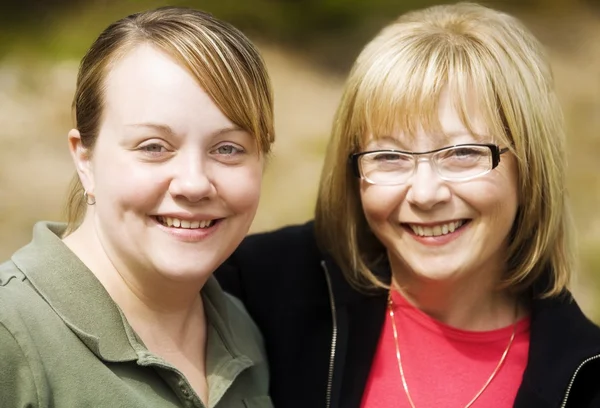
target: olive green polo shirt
<point>64,343</point>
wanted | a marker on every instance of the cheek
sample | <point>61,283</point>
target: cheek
<point>496,203</point>
<point>240,187</point>
<point>506,193</point>
<point>379,202</point>
<point>126,183</point>
<point>506,210</point>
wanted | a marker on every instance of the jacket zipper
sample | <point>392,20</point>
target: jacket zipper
<point>333,336</point>
<point>587,360</point>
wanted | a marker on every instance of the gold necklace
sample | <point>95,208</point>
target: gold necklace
<point>399,358</point>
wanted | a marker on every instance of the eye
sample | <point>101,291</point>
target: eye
<point>386,161</point>
<point>389,157</point>
<point>228,150</point>
<point>464,156</point>
<point>154,148</point>
<point>468,153</point>
<point>384,157</point>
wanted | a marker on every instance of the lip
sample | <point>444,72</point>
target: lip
<point>434,223</point>
<point>439,240</point>
<point>188,216</point>
<point>188,234</point>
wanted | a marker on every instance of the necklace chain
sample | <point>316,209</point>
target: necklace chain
<point>401,369</point>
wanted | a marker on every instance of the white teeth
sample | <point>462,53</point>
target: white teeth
<point>436,231</point>
<point>185,224</point>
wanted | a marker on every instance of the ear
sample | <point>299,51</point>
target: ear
<point>83,160</point>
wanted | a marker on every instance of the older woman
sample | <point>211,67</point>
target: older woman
<point>173,116</point>
<point>436,271</point>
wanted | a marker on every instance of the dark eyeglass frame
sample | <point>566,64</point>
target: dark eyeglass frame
<point>496,151</point>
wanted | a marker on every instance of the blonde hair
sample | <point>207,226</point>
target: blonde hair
<point>223,60</point>
<point>395,85</point>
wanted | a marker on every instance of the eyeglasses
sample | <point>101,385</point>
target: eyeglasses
<point>454,163</point>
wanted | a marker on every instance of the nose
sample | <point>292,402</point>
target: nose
<point>191,180</point>
<point>425,188</point>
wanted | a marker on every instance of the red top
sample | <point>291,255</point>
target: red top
<point>444,366</point>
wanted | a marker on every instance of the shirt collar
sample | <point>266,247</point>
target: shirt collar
<point>74,293</point>
<point>232,344</point>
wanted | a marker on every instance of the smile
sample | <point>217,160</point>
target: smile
<point>436,230</point>
<point>185,224</point>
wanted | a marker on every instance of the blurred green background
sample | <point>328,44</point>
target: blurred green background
<point>309,46</point>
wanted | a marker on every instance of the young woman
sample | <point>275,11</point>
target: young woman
<point>173,116</point>
<point>435,273</point>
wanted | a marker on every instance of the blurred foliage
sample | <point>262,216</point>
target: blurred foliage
<point>329,31</point>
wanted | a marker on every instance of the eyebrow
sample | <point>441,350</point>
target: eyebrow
<point>166,129</point>
<point>385,138</point>
<point>445,136</point>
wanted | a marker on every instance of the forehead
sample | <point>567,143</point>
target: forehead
<point>147,85</point>
<point>448,121</point>
<point>144,65</point>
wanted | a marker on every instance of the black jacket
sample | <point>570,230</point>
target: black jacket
<point>321,334</point>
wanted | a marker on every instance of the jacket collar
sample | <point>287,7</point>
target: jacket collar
<point>344,292</point>
<point>360,317</point>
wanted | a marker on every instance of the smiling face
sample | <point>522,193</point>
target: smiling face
<point>176,183</point>
<point>436,230</point>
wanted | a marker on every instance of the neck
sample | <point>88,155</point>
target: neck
<point>469,304</point>
<point>154,307</point>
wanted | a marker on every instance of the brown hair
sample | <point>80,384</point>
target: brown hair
<point>395,85</point>
<point>222,59</point>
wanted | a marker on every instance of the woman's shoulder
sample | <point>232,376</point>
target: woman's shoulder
<point>8,272</point>
<point>290,246</point>
<point>296,240</point>
<point>21,306</point>
<point>18,386</point>
<point>284,260</point>
<point>21,312</point>
<point>15,292</point>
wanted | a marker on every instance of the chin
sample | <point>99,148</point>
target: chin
<point>437,270</point>
<point>187,275</point>
<point>189,271</point>
<point>440,276</point>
